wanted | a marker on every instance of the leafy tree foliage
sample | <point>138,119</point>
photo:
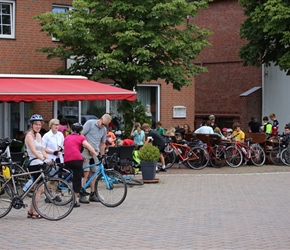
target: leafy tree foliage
<point>267,29</point>
<point>128,41</point>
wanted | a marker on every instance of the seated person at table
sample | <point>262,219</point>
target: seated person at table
<point>286,135</point>
<point>238,134</point>
<point>205,129</point>
<point>125,142</point>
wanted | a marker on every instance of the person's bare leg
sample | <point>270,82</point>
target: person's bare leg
<point>163,167</point>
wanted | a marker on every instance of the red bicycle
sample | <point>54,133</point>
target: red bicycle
<point>217,154</point>
<point>187,153</point>
<point>239,151</point>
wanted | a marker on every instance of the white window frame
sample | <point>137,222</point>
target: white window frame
<point>12,4</point>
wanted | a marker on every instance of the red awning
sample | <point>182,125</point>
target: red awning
<point>58,88</point>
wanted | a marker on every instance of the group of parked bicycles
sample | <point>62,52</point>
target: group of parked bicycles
<point>57,200</point>
<point>197,155</point>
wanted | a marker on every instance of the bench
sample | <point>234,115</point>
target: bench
<point>207,138</point>
<point>260,138</point>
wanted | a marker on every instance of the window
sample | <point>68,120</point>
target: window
<point>59,9</point>
<point>7,19</point>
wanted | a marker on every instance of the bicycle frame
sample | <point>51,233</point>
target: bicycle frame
<point>247,147</point>
<point>13,176</point>
<point>183,155</point>
<point>100,170</point>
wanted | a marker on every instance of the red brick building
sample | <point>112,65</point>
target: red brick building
<point>216,92</point>
<point>19,56</point>
<point>223,90</point>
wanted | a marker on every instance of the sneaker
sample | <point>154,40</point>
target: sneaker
<point>163,170</point>
<point>46,200</point>
<point>77,204</point>
<point>57,199</point>
<point>93,198</point>
<point>83,199</point>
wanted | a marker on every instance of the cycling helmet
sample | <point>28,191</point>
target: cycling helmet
<point>224,129</point>
<point>77,127</point>
<point>35,118</point>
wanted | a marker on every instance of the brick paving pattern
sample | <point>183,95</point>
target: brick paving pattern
<point>243,208</point>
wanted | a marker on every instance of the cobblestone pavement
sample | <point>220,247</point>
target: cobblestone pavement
<point>242,208</point>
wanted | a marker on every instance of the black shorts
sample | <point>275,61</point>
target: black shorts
<point>35,168</point>
<point>161,148</point>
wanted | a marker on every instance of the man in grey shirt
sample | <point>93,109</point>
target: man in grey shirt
<point>95,132</point>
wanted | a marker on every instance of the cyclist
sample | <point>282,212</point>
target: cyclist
<point>275,125</point>
<point>286,135</point>
<point>238,133</point>
<point>152,136</point>
<point>36,154</point>
<point>73,158</point>
<point>267,127</point>
<point>95,132</point>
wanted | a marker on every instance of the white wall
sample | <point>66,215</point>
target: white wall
<point>276,93</point>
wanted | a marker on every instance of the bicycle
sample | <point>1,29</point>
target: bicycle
<point>217,154</point>
<point>14,168</point>
<point>276,152</point>
<point>110,186</point>
<point>239,151</point>
<point>53,204</point>
<point>117,163</point>
<point>285,155</point>
<point>188,153</point>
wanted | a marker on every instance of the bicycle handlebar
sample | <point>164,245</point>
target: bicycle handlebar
<point>235,136</point>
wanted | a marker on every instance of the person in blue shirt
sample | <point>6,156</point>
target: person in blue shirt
<point>138,134</point>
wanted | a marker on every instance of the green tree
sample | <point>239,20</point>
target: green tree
<point>267,28</point>
<point>133,112</point>
<point>128,41</point>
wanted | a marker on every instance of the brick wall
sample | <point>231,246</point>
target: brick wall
<point>169,98</point>
<point>218,91</point>
<point>19,56</point>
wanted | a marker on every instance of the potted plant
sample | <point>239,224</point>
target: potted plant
<point>148,154</point>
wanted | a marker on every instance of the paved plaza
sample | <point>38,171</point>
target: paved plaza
<point>243,208</point>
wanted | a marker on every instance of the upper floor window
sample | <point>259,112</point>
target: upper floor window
<point>7,19</point>
<point>59,9</point>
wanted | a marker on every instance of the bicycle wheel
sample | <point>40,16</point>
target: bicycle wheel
<point>285,156</point>
<point>234,156</point>
<point>112,192</point>
<point>217,157</point>
<point>51,201</point>
<point>197,158</point>
<point>6,195</point>
<point>20,181</point>
<point>132,181</point>
<point>258,156</point>
<point>169,158</point>
<point>275,156</point>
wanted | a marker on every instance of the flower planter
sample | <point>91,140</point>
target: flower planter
<point>148,169</point>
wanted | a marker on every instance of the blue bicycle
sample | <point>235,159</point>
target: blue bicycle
<point>110,186</point>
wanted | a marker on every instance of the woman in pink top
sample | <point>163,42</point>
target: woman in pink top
<point>73,158</point>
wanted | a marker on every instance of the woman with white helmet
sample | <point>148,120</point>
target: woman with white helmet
<point>36,153</point>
